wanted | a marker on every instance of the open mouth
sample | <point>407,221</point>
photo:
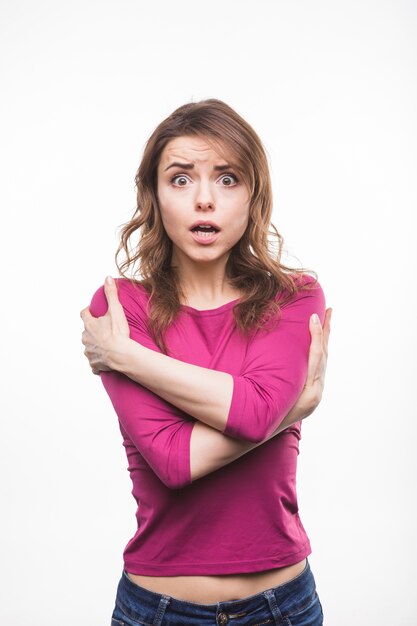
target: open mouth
<point>204,236</point>
<point>202,231</point>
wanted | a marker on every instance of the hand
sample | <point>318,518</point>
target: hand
<point>101,335</point>
<point>312,392</point>
<point>310,397</point>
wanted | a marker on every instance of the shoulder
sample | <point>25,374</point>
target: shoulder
<point>131,290</point>
<point>307,287</point>
<point>306,279</point>
<point>132,296</point>
<point>309,298</point>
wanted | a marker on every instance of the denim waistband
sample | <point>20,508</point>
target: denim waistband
<point>289,595</point>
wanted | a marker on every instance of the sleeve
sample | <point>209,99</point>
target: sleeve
<point>159,431</point>
<point>275,370</point>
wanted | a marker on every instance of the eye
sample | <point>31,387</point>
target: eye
<point>180,176</point>
<point>229,176</point>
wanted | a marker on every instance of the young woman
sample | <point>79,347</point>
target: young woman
<point>211,360</point>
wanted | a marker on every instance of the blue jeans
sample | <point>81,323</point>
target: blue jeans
<point>295,603</point>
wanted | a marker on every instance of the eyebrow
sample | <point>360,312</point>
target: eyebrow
<point>190,166</point>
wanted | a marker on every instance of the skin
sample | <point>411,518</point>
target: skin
<point>207,194</point>
<point>101,334</point>
<point>197,193</point>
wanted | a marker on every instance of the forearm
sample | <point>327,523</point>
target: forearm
<point>201,392</point>
<point>210,449</point>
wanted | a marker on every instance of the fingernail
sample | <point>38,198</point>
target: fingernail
<point>315,318</point>
<point>109,280</point>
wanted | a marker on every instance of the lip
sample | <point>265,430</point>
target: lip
<point>204,239</point>
<point>204,224</point>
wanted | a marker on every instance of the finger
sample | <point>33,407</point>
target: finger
<point>316,332</point>
<point>110,289</point>
<point>116,309</point>
<point>315,353</point>
<point>326,329</point>
<point>85,314</point>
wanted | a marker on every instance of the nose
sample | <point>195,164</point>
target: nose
<point>204,198</point>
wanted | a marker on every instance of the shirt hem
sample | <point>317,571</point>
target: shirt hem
<point>236,409</point>
<point>184,458</point>
<point>228,567</point>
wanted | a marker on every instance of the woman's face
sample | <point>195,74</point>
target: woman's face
<point>197,184</point>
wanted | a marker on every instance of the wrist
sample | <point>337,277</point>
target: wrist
<point>297,413</point>
<point>118,353</point>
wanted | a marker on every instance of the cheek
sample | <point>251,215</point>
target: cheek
<point>238,205</point>
<point>167,207</point>
<point>241,217</point>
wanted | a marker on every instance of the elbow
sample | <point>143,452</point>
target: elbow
<point>175,472</point>
<point>248,433</point>
<point>253,412</point>
<point>173,482</point>
<point>267,421</point>
<point>259,438</point>
<point>255,436</point>
<point>256,428</point>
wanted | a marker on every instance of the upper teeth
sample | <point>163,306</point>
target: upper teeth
<point>204,226</point>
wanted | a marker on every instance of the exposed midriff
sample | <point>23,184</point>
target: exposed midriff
<point>222,588</point>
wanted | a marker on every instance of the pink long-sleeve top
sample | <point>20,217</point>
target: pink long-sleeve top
<point>242,517</point>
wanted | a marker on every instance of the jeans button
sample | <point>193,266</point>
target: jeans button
<point>222,619</point>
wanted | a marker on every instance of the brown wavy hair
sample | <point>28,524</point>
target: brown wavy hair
<point>252,268</point>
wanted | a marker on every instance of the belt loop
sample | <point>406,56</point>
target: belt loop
<point>272,601</point>
<point>163,604</point>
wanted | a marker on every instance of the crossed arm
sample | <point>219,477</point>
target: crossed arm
<point>156,412</point>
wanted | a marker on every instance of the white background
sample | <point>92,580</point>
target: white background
<point>331,89</point>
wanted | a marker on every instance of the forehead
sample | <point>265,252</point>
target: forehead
<point>194,150</point>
